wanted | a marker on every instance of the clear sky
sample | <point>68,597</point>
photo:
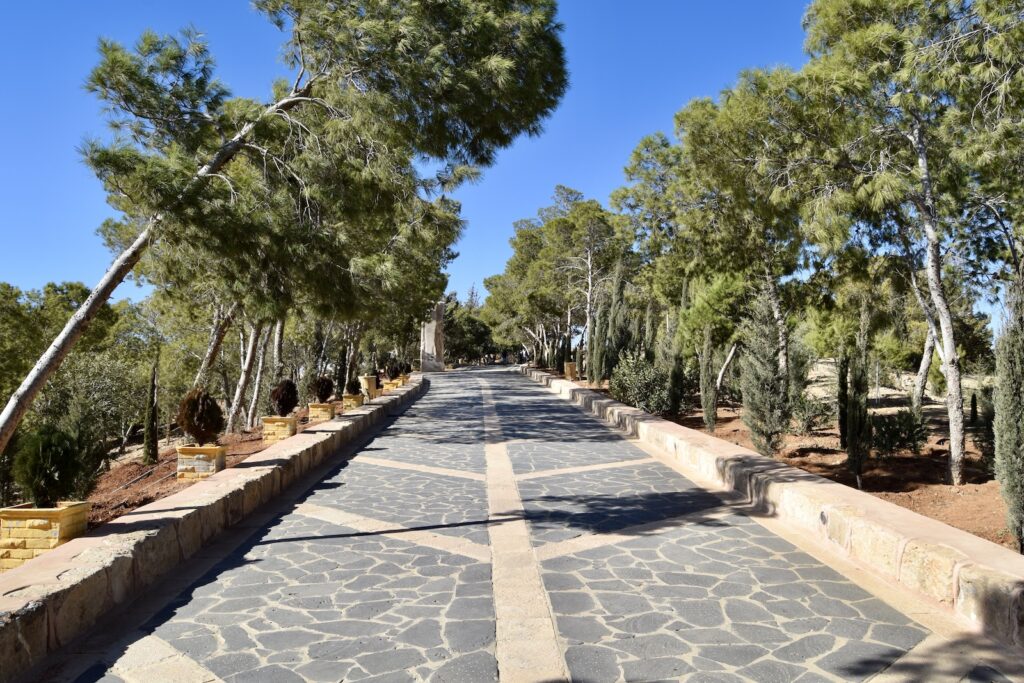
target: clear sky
<point>632,66</point>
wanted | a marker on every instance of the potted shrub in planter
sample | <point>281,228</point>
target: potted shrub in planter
<point>368,380</point>
<point>283,398</point>
<point>201,418</point>
<point>352,397</point>
<point>321,388</point>
<point>405,369</point>
<point>46,463</point>
<point>392,372</point>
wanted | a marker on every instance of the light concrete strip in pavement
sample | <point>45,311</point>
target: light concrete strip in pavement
<point>450,544</point>
<point>585,468</point>
<point>151,659</point>
<point>526,646</point>
<point>427,469</point>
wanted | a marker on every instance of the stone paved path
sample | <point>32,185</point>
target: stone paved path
<point>494,528</point>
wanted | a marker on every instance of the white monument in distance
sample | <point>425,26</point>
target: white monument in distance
<point>432,341</point>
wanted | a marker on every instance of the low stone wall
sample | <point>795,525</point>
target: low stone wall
<point>48,602</point>
<point>980,582</point>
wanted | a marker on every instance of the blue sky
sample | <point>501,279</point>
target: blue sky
<point>632,66</point>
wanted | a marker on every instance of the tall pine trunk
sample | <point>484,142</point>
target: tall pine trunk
<point>248,360</point>
<point>921,379</point>
<point>933,269</point>
<point>219,329</point>
<point>257,388</point>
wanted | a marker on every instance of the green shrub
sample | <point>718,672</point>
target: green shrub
<point>46,465</point>
<point>353,387</point>
<point>900,431</point>
<point>284,397</point>
<point>321,388</point>
<point>200,417</point>
<point>637,383</point>
<point>809,414</point>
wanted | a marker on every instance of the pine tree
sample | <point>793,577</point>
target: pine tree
<point>1009,419</point>
<point>763,382</point>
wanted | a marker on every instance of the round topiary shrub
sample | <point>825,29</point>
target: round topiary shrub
<point>284,397</point>
<point>353,388</point>
<point>322,388</point>
<point>200,416</point>
<point>46,465</point>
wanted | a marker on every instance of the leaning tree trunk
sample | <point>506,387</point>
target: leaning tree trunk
<point>951,357</point>
<point>921,380</point>
<point>50,361</point>
<point>250,418</point>
<point>243,378</point>
<point>217,334</point>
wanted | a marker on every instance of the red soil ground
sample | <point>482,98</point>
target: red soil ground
<point>130,484</point>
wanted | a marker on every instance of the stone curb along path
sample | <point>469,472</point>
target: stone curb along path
<point>50,601</point>
<point>977,581</point>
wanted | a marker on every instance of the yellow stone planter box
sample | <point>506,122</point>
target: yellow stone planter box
<point>369,385</point>
<point>392,384</point>
<point>278,428</point>
<point>350,401</point>
<point>404,378</point>
<point>199,462</point>
<point>570,372</point>
<point>27,532</point>
<point>318,412</point>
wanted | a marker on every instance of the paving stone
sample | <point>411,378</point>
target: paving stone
<point>806,648</point>
<point>590,663</point>
<point>858,659</point>
<point>661,668</point>
<point>771,672</point>
<point>467,636</point>
<point>479,666</point>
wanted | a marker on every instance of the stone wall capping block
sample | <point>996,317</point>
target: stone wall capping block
<point>978,581</point>
<point>55,598</point>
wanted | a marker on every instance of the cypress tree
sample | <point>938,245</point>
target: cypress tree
<point>974,407</point>
<point>150,453</point>
<point>843,397</point>
<point>1009,418</point>
<point>595,348</point>
<point>858,426</point>
<point>762,381</point>
<point>708,388</point>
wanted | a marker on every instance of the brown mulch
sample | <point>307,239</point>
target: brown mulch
<point>129,484</point>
